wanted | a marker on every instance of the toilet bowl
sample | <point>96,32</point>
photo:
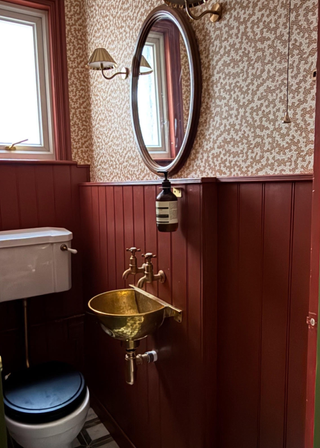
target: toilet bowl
<point>46,406</point>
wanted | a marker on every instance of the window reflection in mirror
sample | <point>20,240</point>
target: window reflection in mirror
<point>152,98</point>
<point>164,92</point>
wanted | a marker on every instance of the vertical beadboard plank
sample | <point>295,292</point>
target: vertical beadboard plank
<point>228,280</point>
<point>78,175</point>
<point>86,219</point>
<point>53,309</point>
<point>140,393</point>
<point>111,238</point>
<point>27,197</point>
<point>129,231</point>
<point>96,241</point>
<point>152,340</point>
<point>78,303</point>
<point>103,280</point>
<point>119,231</point>
<point>9,203</point>
<point>113,391</point>
<point>174,367</point>
<point>63,216</point>
<point>10,312</point>
<point>151,233</point>
<point>139,221</point>
<point>246,317</point>
<point>209,310</point>
<point>164,336</point>
<point>193,226</point>
<point>45,195</point>
<point>297,367</point>
<point>276,260</point>
<point>62,196</point>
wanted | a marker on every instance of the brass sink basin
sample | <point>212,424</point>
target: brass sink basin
<point>131,314</point>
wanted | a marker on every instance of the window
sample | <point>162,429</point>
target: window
<point>33,80</point>
<point>25,85</point>
<point>152,98</point>
<point>161,100</point>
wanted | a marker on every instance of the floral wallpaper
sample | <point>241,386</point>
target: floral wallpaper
<point>244,69</point>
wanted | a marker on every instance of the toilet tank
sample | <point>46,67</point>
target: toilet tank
<point>32,262</point>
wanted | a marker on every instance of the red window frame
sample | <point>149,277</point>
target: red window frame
<point>59,72</point>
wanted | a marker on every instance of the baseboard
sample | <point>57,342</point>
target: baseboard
<point>106,418</point>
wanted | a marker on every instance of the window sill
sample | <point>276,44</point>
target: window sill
<point>39,162</point>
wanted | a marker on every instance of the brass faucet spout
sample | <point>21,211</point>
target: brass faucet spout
<point>149,276</point>
<point>142,281</point>
<point>126,274</point>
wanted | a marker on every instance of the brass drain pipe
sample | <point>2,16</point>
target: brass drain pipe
<point>132,360</point>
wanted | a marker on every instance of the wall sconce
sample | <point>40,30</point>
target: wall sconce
<point>215,12</point>
<point>145,68</point>
<point>102,60</point>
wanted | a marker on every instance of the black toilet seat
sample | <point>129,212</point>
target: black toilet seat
<point>43,393</point>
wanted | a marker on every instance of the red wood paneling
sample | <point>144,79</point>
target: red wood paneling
<point>298,330</point>
<point>263,272</point>
<point>10,213</point>
<point>209,302</point>
<point>234,372</point>
<point>36,195</point>
<point>276,271</point>
<point>167,396</point>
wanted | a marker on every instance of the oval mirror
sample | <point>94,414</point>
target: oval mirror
<point>165,90</point>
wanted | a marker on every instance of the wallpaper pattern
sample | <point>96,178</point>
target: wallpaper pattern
<point>243,61</point>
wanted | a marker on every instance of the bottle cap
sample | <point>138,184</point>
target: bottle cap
<point>166,183</point>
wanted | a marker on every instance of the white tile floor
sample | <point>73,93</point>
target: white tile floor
<point>94,434</point>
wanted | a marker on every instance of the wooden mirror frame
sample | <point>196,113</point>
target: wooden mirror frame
<point>182,23</point>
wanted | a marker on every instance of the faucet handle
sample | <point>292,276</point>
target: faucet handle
<point>133,250</point>
<point>148,256</point>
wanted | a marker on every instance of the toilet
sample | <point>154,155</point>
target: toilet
<point>45,405</point>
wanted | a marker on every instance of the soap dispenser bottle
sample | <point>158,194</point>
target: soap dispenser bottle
<point>166,208</point>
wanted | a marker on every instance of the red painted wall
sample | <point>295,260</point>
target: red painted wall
<point>263,278</point>
<point>234,373</point>
<point>168,397</point>
<point>39,195</point>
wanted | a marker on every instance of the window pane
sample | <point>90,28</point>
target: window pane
<point>147,101</point>
<point>19,97</point>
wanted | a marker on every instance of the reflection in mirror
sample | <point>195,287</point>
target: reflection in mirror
<point>164,91</point>
<point>145,68</point>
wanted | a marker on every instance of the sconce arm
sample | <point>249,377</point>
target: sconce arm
<point>215,12</point>
<point>124,74</point>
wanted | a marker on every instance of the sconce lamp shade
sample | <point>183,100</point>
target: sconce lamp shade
<point>101,59</point>
<point>145,68</point>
